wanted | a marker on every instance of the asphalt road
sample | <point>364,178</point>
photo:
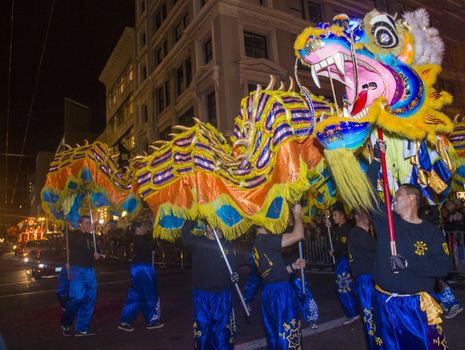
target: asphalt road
<point>29,314</point>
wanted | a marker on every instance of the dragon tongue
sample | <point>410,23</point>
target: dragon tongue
<point>360,103</point>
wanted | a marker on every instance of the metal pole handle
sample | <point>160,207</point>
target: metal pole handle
<point>330,239</point>
<point>92,222</point>
<point>228,265</point>
<point>302,272</point>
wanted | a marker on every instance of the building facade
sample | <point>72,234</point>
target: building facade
<point>199,58</point>
<point>119,80</point>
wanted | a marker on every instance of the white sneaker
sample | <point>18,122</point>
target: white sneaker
<point>349,320</point>
<point>453,311</point>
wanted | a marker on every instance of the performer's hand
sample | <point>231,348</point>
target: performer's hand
<point>297,209</point>
<point>299,264</point>
<point>398,263</point>
<point>98,256</point>
<point>249,307</point>
<point>380,146</point>
<point>234,277</point>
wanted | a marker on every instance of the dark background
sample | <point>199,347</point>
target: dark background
<point>81,37</point>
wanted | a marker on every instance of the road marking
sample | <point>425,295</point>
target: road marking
<point>54,290</point>
<point>306,332</point>
<point>55,276</point>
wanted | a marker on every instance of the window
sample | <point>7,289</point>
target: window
<point>165,133</point>
<point>159,17</point>
<point>163,96</point>
<point>183,76</point>
<point>144,115</point>
<point>160,52</point>
<point>208,50</point>
<point>255,45</point>
<point>141,7</point>
<point>315,12</point>
<point>186,118</point>
<point>142,39</point>
<point>143,72</point>
<point>179,30</point>
<point>297,8</point>
<point>180,86</point>
<point>211,108</point>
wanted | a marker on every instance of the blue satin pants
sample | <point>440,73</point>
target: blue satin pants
<point>446,297</point>
<point>306,302</point>
<point>142,296</point>
<point>82,295</point>
<point>402,325</point>
<point>280,314</point>
<point>363,291</point>
<point>63,287</point>
<point>344,287</point>
<point>214,322</point>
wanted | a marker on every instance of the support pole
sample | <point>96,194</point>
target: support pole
<point>387,199</point>
<point>92,221</point>
<point>228,265</point>
<point>330,239</point>
<point>67,249</point>
<point>302,272</point>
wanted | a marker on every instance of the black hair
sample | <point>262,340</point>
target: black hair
<point>135,225</point>
<point>82,218</point>
<point>415,190</point>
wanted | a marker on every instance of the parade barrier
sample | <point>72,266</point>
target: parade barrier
<point>456,243</point>
<point>317,251</point>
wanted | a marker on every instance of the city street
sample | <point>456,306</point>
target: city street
<point>30,314</point>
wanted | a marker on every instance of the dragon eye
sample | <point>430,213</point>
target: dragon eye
<point>384,31</point>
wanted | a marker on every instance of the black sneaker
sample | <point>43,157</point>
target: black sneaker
<point>154,325</point>
<point>126,327</point>
<point>67,332</point>
<point>84,333</point>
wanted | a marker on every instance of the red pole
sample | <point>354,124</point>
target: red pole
<point>387,198</point>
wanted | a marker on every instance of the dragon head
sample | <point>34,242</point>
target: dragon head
<point>388,68</point>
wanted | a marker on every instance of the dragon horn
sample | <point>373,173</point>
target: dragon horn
<point>291,85</point>
<point>281,86</point>
<point>271,83</point>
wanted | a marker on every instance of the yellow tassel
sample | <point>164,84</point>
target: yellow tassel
<point>352,183</point>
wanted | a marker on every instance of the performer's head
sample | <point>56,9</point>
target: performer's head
<point>85,223</point>
<point>209,232</point>
<point>362,219</point>
<point>139,228</point>
<point>407,197</point>
<point>338,214</point>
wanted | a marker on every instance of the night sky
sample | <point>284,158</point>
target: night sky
<point>82,35</point>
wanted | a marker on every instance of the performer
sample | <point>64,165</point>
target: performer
<point>214,322</point>
<point>307,304</point>
<point>279,302</point>
<point>143,294</point>
<point>83,284</point>
<point>63,287</point>
<point>344,284</point>
<point>362,248</point>
<point>406,316</point>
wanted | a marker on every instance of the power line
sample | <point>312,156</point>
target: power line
<point>8,99</point>
<point>34,92</point>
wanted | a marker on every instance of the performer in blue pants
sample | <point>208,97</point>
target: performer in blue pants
<point>63,287</point>
<point>280,310</point>
<point>83,284</point>
<point>214,322</point>
<point>362,249</point>
<point>344,283</point>
<point>143,294</point>
<point>406,314</point>
<point>307,305</point>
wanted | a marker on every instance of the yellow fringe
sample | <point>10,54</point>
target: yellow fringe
<point>352,183</point>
